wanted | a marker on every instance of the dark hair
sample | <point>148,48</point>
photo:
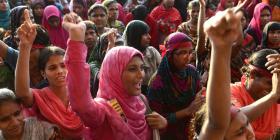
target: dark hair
<point>258,59</point>
<point>140,12</point>
<point>193,3</point>
<point>107,3</point>
<point>133,34</point>
<point>7,95</point>
<point>270,26</point>
<point>46,53</point>
<point>90,25</point>
<point>42,37</point>
<point>35,4</point>
<point>96,6</point>
<point>16,14</point>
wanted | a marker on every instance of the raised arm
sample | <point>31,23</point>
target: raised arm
<point>78,77</point>
<point>200,45</point>
<point>223,30</point>
<point>27,33</point>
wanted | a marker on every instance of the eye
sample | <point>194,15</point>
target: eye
<point>17,113</point>
<point>51,67</point>
<point>132,69</point>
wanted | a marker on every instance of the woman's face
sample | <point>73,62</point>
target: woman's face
<point>3,5</point>
<point>78,8</point>
<point>240,128</point>
<point>265,17</point>
<point>38,10</point>
<point>99,18</point>
<point>90,38</point>
<point>193,12</point>
<point>54,21</point>
<point>260,86</point>
<point>132,76</point>
<point>274,37</point>
<point>181,57</point>
<point>11,119</point>
<point>145,40</point>
<point>113,11</point>
<point>55,71</point>
<point>244,23</point>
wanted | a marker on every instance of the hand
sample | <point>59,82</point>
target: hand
<point>27,31</point>
<point>72,23</point>
<point>112,36</point>
<point>156,121</point>
<point>196,103</point>
<point>224,28</point>
<point>273,65</point>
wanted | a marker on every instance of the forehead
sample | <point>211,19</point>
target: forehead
<point>98,11</point>
<point>8,108</point>
<point>90,30</point>
<point>135,60</point>
<point>184,48</point>
<point>53,18</point>
<point>114,4</point>
<point>265,11</point>
<point>55,59</point>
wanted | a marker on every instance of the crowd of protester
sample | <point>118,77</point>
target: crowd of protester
<point>139,69</point>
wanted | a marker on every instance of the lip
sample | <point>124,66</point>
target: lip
<point>137,85</point>
<point>60,78</point>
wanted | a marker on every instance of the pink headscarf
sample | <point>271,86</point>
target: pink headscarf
<point>255,22</point>
<point>111,86</point>
<point>58,36</point>
<point>222,4</point>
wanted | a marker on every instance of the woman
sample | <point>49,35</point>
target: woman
<point>118,112</point>
<point>4,14</point>
<point>262,15</point>
<point>50,103</point>
<point>274,4</point>
<point>223,121</point>
<point>38,10</point>
<point>256,82</point>
<point>113,14</point>
<point>173,90</point>
<point>168,18</point>
<point>16,20</point>
<point>224,4</point>
<point>11,118</point>
<point>190,27</point>
<point>141,13</point>
<point>137,35</point>
<point>79,7</point>
<point>52,21</point>
<point>105,42</point>
<point>271,36</point>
